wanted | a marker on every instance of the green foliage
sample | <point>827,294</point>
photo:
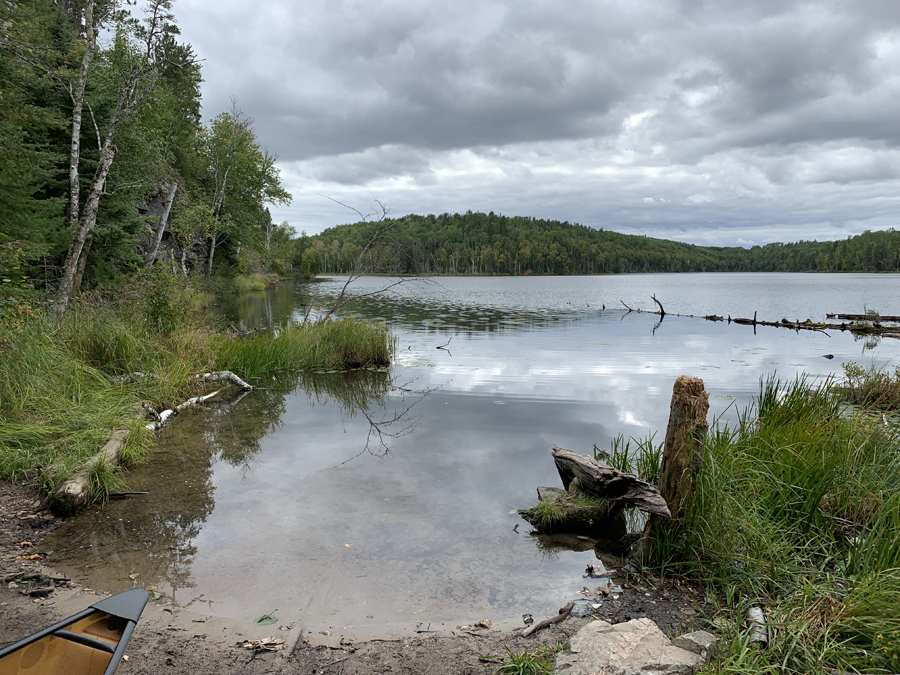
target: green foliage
<point>329,345</point>
<point>535,662</point>
<point>872,388</point>
<point>59,400</point>
<point>643,461</point>
<point>797,508</point>
<point>479,243</point>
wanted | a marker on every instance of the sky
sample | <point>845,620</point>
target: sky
<point>720,122</point>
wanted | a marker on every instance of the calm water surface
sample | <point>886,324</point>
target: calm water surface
<point>287,497</point>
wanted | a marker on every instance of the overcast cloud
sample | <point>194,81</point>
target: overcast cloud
<point>714,122</point>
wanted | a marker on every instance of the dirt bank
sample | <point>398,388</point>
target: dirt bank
<point>179,641</point>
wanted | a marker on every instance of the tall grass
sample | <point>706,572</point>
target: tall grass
<point>329,345</point>
<point>798,508</point>
<point>59,400</point>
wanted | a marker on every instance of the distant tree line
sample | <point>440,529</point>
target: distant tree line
<point>479,243</point>
<point>105,165</point>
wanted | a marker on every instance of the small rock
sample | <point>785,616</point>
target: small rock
<point>582,608</point>
<point>700,642</point>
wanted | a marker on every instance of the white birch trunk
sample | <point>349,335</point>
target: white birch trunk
<point>162,225</point>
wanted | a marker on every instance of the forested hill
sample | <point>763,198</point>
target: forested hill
<point>479,243</point>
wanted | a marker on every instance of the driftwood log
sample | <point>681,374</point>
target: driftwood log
<point>224,376</point>
<point>601,480</point>
<point>75,491</point>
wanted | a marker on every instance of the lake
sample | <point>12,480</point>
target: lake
<point>378,503</point>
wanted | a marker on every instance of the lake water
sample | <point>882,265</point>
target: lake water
<point>288,498</point>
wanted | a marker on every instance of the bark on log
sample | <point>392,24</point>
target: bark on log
<point>166,415</point>
<point>75,491</point>
<point>225,376</point>
<point>601,480</point>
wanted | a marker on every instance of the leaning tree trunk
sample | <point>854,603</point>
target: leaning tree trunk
<point>163,221</point>
<point>86,224</point>
<point>82,264</point>
<point>682,458</point>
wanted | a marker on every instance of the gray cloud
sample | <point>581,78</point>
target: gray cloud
<point>716,122</point>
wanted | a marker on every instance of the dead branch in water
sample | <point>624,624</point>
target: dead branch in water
<point>662,311</point>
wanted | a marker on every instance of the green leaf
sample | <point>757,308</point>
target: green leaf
<point>265,620</point>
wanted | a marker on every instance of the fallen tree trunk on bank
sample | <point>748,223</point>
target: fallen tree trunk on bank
<point>75,492</point>
<point>166,415</point>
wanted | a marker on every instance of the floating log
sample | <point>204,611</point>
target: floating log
<point>603,481</point>
<point>862,317</point>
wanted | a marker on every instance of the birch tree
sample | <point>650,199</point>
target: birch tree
<point>136,60</point>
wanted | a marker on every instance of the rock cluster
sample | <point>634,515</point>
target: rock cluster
<point>636,647</point>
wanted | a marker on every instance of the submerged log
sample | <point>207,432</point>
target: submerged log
<point>603,481</point>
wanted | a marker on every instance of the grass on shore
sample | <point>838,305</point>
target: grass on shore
<point>59,401</point>
<point>798,510</point>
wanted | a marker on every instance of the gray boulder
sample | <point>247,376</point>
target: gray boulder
<point>636,647</point>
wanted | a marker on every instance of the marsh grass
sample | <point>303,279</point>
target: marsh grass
<point>330,345</point>
<point>643,459</point>
<point>59,401</point>
<point>253,282</point>
<point>870,388</point>
<point>548,513</point>
<point>797,508</point>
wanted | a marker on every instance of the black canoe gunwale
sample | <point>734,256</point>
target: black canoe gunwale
<point>128,606</point>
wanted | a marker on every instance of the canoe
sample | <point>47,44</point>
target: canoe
<point>91,642</point>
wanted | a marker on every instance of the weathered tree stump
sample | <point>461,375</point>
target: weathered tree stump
<point>605,482</point>
<point>682,458</point>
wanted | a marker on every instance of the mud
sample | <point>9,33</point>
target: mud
<point>174,641</point>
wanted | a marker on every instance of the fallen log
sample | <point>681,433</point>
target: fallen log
<point>166,415</point>
<point>540,625</point>
<point>603,481</point>
<point>568,512</point>
<point>862,317</point>
<point>224,376</point>
<point>75,491</point>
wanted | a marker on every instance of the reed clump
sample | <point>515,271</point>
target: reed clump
<point>60,399</point>
<point>329,345</point>
<point>253,282</point>
<point>797,509</point>
<point>871,387</point>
